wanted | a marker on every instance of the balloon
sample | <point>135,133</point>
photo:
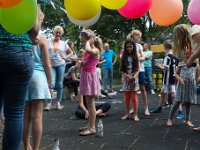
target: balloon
<point>20,18</point>
<point>9,3</point>
<point>86,23</point>
<point>82,9</point>
<point>166,12</point>
<point>113,4</point>
<point>193,11</point>
<point>135,8</point>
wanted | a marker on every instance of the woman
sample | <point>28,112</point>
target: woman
<point>89,82</point>
<point>59,52</point>
<point>16,68</point>
<point>38,91</point>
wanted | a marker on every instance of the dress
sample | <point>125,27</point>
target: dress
<point>127,84</point>
<point>187,92</point>
<point>38,87</point>
<point>89,81</point>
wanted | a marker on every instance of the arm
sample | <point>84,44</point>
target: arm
<point>93,51</point>
<point>45,59</point>
<point>177,76</point>
<point>193,57</point>
<point>115,60</point>
<point>33,33</point>
<point>83,107</point>
<point>73,75</point>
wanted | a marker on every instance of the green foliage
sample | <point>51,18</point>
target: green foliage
<point>111,27</point>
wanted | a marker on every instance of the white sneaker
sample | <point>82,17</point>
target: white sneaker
<point>47,108</point>
<point>152,92</point>
<point>139,92</point>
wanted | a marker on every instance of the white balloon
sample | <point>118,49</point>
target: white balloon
<point>85,23</point>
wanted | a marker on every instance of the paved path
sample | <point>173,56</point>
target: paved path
<point>150,133</point>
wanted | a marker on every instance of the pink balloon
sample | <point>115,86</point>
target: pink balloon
<point>135,8</point>
<point>193,11</point>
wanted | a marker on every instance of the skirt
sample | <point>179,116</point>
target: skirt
<point>89,84</point>
<point>38,88</point>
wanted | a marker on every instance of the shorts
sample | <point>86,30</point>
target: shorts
<point>142,78</point>
<point>168,89</point>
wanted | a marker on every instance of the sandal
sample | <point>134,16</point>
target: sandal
<point>196,129</point>
<point>88,131</point>
<point>84,127</point>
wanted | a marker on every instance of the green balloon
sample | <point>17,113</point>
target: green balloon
<point>20,18</point>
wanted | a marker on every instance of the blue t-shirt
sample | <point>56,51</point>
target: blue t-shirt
<point>108,56</point>
<point>148,62</point>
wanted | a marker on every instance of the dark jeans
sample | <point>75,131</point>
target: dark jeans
<point>73,83</point>
<point>16,68</point>
<point>104,107</point>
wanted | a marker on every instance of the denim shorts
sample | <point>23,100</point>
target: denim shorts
<point>142,78</point>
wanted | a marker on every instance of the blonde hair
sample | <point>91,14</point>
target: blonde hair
<point>58,28</point>
<point>97,40</point>
<point>182,40</point>
<point>133,33</point>
<point>98,43</point>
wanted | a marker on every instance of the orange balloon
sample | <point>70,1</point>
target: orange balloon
<point>8,3</point>
<point>166,12</point>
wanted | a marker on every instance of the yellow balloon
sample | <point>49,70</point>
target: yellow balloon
<point>113,4</point>
<point>82,9</point>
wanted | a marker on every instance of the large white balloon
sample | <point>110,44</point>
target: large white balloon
<point>85,23</point>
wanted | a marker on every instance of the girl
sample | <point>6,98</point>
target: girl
<point>186,76</point>
<point>89,82</point>
<point>136,36</point>
<point>130,70</point>
<point>38,91</point>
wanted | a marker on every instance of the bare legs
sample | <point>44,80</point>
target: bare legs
<point>33,116</point>
<point>144,98</point>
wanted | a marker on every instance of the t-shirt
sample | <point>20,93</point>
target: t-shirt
<point>71,70</point>
<point>108,56</point>
<point>8,39</point>
<point>171,62</point>
<point>148,62</point>
<point>139,51</point>
<point>55,58</point>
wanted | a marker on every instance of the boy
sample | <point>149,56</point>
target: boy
<point>169,81</point>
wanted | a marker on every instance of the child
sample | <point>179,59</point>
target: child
<point>38,90</point>
<point>186,76</point>
<point>169,81</point>
<point>130,70</point>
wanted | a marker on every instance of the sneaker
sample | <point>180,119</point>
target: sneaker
<point>180,116</point>
<point>102,96</point>
<point>60,107</point>
<point>139,92</point>
<point>111,93</point>
<point>166,105</point>
<point>153,92</point>
<point>121,90</point>
<point>158,110</point>
<point>48,107</point>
